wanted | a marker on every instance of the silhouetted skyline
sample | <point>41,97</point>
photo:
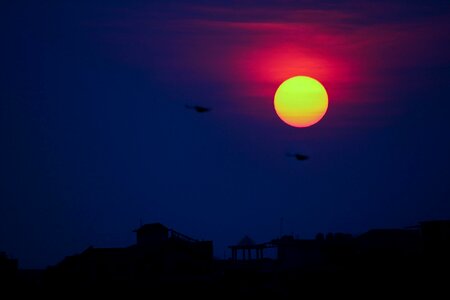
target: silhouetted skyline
<point>163,261</point>
<point>96,137</point>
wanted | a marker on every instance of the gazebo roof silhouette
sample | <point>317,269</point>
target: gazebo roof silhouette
<point>246,245</point>
<point>246,241</point>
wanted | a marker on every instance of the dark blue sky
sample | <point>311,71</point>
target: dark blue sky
<point>95,135</point>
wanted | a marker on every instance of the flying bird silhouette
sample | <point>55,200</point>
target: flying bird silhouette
<point>197,108</point>
<point>298,156</point>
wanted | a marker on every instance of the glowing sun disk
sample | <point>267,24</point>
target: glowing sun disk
<point>301,101</point>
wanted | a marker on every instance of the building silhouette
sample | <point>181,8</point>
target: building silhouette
<point>247,249</point>
<point>160,255</point>
<point>8,268</point>
<point>166,262</point>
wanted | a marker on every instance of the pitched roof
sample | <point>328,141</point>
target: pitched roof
<point>246,241</point>
<point>151,227</point>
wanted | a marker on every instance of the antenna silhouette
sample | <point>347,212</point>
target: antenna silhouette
<point>281,226</point>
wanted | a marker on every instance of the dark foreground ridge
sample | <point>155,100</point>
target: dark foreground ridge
<point>166,262</point>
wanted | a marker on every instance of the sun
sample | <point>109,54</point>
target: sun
<point>301,101</point>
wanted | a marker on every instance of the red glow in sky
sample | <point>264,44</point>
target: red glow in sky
<point>251,51</point>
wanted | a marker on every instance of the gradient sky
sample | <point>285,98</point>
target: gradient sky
<point>95,136</point>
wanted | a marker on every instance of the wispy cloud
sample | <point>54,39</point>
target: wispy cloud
<point>353,48</point>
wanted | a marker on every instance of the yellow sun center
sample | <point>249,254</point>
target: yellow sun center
<point>301,101</point>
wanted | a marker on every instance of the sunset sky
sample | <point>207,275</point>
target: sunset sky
<point>95,136</point>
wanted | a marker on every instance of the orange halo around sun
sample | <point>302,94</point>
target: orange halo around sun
<point>301,101</point>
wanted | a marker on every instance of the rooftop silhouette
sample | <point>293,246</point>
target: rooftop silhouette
<point>165,260</point>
